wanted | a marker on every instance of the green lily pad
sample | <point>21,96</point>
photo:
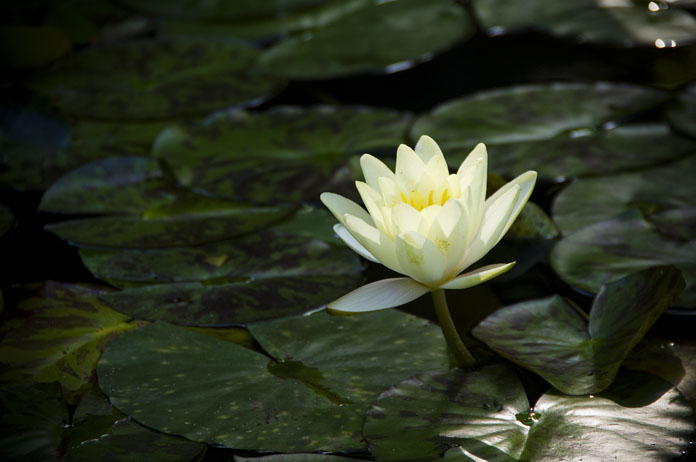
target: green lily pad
<point>295,458</point>
<point>311,395</point>
<point>144,208</point>
<point>682,114</point>
<point>630,23</point>
<point>558,129</point>
<point>58,335</point>
<point>287,153</point>
<point>156,78</point>
<point>383,35</point>
<point>220,11</point>
<point>576,355</point>
<point>261,276</point>
<point>484,415</point>
<point>32,421</point>
<point>658,189</point>
<point>84,21</point>
<point>611,249</point>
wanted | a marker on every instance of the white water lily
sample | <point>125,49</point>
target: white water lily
<point>425,223</point>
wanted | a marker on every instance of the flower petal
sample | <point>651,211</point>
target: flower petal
<point>404,218</point>
<point>340,206</point>
<point>526,181</point>
<point>352,242</point>
<point>409,168</point>
<point>379,295</point>
<point>373,169</point>
<point>372,201</point>
<point>427,148</point>
<point>478,276</point>
<point>378,244</point>
<point>419,258</point>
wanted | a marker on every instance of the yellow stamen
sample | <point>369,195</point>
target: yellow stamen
<point>445,196</point>
<point>430,198</point>
<point>403,198</point>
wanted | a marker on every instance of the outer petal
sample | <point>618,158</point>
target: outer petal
<point>340,206</point>
<point>472,176</point>
<point>427,148</point>
<point>373,169</point>
<point>420,259</point>
<point>377,243</point>
<point>379,295</point>
<point>353,243</point>
<point>476,277</point>
<point>526,181</point>
<point>372,201</point>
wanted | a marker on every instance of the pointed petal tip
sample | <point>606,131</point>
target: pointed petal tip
<point>478,276</point>
<point>379,295</point>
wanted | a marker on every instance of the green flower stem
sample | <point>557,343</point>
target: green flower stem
<point>456,346</point>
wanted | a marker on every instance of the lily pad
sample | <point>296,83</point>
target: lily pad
<point>32,421</point>
<point>7,220</point>
<point>574,354</point>
<point>287,153</point>
<point>624,23</point>
<point>27,47</point>
<point>682,114</point>
<point>220,10</point>
<point>144,208</point>
<point>611,249</point>
<point>484,415</point>
<point>58,335</point>
<point>558,129</point>
<point>311,395</point>
<point>261,276</point>
<point>295,458</point>
<point>658,189</point>
<point>156,78</point>
<point>381,36</point>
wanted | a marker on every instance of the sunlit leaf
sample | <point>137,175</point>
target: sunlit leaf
<point>484,415</point>
<point>576,355</point>
<point>311,395</point>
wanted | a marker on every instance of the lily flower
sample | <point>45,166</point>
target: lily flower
<point>425,223</point>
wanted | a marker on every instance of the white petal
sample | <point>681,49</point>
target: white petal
<point>404,218</point>
<point>378,244</point>
<point>372,201</point>
<point>353,243</point>
<point>379,295</point>
<point>472,183</point>
<point>427,148</point>
<point>420,259</point>
<point>477,276</point>
<point>373,169</point>
<point>389,191</point>
<point>340,206</point>
<point>526,181</point>
<point>409,168</point>
<point>479,152</point>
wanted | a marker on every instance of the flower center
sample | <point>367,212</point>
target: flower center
<point>419,202</point>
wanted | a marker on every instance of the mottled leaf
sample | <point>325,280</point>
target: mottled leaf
<point>220,10</point>
<point>295,458</point>
<point>551,338</point>
<point>383,35</point>
<point>310,396</point>
<point>658,189</point>
<point>32,421</point>
<point>58,335</point>
<point>610,249</point>
<point>629,23</point>
<point>287,153</point>
<point>156,78</point>
<point>558,129</point>
<point>682,113</point>
<point>256,277</point>
<point>84,21</point>
<point>484,415</point>
<point>145,209</point>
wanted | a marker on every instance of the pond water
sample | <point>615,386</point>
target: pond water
<point>162,235</point>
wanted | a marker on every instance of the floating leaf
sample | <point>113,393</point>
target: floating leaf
<point>147,210</point>
<point>682,113</point>
<point>287,153</point>
<point>261,276</point>
<point>220,11</point>
<point>383,35</point>
<point>558,129</point>
<point>611,249</point>
<point>623,23</point>
<point>156,78</point>
<point>311,396</point>
<point>58,335</point>
<point>7,220</point>
<point>32,421</point>
<point>484,415</point>
<point>549,337</point>
<point>295,458</point>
